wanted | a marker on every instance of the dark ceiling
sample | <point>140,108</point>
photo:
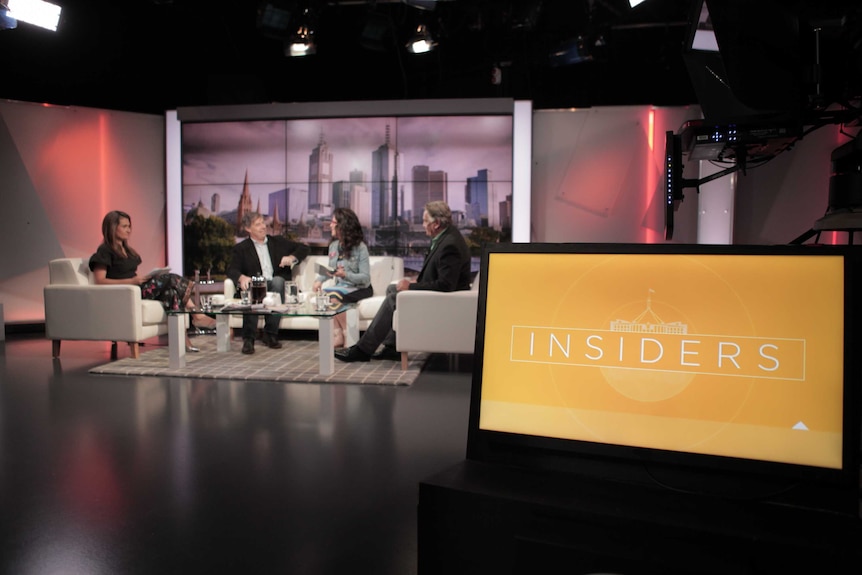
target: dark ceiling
<point>153,55</point>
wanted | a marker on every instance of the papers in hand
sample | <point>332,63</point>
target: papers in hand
<point>157,272</point>
<point>325,270</point>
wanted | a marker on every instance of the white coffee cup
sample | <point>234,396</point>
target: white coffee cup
<point>217,299</point>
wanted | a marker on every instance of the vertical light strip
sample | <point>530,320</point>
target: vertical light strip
<point>522,163</point>
<point>104,192</point>
<point>173,191</point>
<point>651,131</point>
<point>650,235</point>
<point>835,237</point>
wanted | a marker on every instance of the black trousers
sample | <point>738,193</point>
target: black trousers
<point>380,329</point>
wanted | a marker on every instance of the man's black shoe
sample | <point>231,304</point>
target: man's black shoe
<point>351,354</point>
<point>387,353</point>
<point>271,341</point>
<point>248,346</point>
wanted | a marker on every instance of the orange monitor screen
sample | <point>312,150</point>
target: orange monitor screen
<point>737,355</point>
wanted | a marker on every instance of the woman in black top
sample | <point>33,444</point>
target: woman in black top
<point>116,262</point>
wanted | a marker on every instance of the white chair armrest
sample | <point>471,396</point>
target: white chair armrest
<point>439,322</point>
<point>103,312</point>
<point>229,288</point>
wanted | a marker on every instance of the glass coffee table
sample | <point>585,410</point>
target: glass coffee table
<point>176,328</point>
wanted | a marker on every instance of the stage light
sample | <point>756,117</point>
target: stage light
<point>633,3</point>
<point>36,12</point>
<point>302,43</point>
<point>422,41</point>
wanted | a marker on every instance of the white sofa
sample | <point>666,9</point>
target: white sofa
<point>436,322</point>
<point>78,309</point>
<point>384,270</point>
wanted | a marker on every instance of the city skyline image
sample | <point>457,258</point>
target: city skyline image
<point>220,159</point>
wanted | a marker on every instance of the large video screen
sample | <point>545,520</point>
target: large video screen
<point>295,172</point>
<point>703,350</point>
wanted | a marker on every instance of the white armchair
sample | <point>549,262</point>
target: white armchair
<point>78,309</point>
<point>436,322</point>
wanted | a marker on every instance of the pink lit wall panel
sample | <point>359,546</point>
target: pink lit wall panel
<point>63,169</point>
<point>600,175</point>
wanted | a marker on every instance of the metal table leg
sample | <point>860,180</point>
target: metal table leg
<point>222,332</point>
<point>176,340</point>
<point>327,351</point>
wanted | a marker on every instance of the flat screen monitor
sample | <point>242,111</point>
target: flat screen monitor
<point>724,370</point>
<point>673,182</point>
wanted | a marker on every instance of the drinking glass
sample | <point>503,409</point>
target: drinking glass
<point>321,301</point>
<point>291,292</point>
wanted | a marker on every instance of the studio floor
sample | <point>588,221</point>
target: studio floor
<point>120,475</point>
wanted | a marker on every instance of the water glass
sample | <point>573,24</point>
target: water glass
<point>291,292</point>
<point>321,301</point>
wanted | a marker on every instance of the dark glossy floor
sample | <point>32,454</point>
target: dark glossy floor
<point>118,475</point>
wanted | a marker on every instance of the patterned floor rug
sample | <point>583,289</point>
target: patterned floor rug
<point>296,362</point>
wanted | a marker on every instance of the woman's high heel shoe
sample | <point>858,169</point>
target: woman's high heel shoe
<point>189,347</point>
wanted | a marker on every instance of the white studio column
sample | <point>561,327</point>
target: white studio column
<point>715,206</point>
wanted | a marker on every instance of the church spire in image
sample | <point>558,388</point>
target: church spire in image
<point>243,207</point>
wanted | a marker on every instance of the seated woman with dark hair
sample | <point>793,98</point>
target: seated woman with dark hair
<point>348,256</point>
<point>116,262</point>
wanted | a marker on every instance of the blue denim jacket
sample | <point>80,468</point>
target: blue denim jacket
<point>356,266</point>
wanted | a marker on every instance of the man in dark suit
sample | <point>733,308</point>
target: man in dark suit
<point>446,268</point>
<point>262,255</point>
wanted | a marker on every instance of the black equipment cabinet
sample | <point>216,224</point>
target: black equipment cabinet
<point>477,518</point>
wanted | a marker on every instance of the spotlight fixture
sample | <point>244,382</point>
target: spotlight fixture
<point>301,43</point>
<point>36,12</point>
<point>422,41</point>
